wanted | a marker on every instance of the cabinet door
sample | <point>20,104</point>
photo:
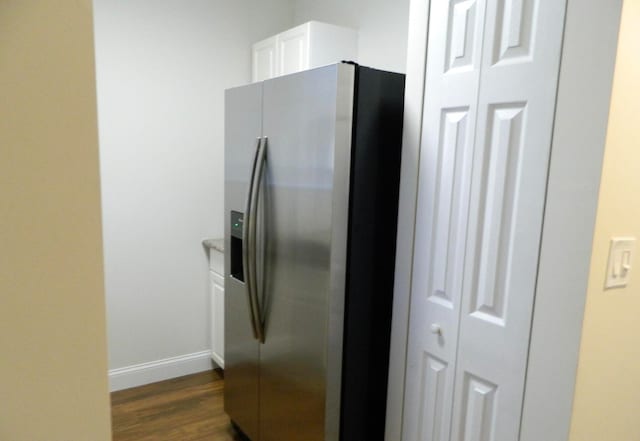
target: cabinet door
<point>217,318</point>
<point>293,50</point>
<point>264,60</point>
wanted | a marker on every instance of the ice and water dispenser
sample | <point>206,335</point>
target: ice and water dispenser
<point>237,223</point>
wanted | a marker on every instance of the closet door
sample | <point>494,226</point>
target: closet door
<point>516,107</point>
<point>451,93</point>
<point>491,79</point>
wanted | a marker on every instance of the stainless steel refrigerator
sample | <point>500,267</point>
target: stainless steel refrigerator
<point>312,164</point>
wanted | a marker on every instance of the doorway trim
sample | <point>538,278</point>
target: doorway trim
<point>409,173</point>
<point>582,116</point>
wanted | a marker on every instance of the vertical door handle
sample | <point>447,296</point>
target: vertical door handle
<point>247,246</point>
<point>255,196</point>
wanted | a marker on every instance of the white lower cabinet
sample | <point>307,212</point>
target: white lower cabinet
<point>216,302</point>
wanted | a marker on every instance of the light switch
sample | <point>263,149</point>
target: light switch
<point>620,262</point>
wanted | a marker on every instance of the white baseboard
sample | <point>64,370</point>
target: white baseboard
<point>159,370</point>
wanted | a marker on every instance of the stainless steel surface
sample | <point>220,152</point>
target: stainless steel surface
<point>248,247</point>
<point>256,292</point>
<point>339,233</point>
<point>243,125</point>
<point>308,121</point>
<point>295,242</point>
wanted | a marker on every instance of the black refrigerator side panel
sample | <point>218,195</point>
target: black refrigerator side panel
<point>373,213</point>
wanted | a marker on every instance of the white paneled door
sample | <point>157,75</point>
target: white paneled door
<point>453,76</point>
<point>491,80</point>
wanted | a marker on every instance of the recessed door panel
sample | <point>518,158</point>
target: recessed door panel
<point>433,381</point>
<point>514,30</point>
<point>478,409</point>
<point>500,169</point>
<point>464,29</point>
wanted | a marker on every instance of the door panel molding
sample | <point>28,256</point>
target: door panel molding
<point>434,377</point>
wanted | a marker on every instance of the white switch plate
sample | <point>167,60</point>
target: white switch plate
<point>620,262</point>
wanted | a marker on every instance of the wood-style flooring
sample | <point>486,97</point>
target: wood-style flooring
<point>181,409</point>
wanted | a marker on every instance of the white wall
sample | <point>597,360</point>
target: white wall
<point>606,400</point>
<point>162,67</point>
<point>382,26</point>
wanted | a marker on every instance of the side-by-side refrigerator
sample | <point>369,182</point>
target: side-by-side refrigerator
<point>312,166</point>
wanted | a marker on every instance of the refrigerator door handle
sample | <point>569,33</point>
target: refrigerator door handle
<point>255,196</point>
<point>247,247</point>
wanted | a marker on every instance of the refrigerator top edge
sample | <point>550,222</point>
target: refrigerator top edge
<point>340,65</point>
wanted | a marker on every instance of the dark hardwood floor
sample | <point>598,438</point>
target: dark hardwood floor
<point>181,409</point>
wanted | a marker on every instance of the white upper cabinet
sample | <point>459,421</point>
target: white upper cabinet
<point>264,60</point>
<point>310,45</point>
<point>292,50</point>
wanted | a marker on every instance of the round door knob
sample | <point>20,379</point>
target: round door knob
<point>436,329</point>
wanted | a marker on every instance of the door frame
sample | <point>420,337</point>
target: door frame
<point>409,173</point>
<point>587,64</point>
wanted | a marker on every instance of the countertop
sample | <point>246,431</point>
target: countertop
<point>215,244</point>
